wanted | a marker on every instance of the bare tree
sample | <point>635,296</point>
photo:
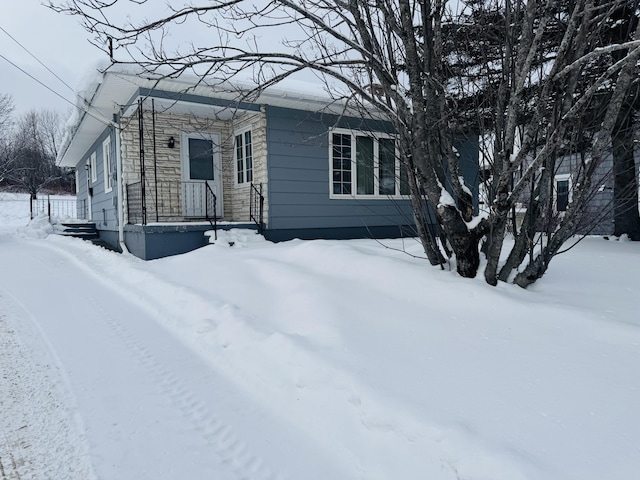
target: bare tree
<point>33,152</point>
<point>50,126</point>
<point>393,55</point>
<point>6,110</point>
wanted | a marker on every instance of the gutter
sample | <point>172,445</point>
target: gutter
<point>82,105</point>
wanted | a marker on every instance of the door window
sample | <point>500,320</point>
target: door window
<point>201,159</point>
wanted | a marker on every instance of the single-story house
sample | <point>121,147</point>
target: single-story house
<point>158,161</point>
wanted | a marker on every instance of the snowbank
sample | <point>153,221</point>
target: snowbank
<point>393,369</point>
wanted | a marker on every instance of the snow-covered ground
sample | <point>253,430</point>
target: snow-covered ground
<point>311,360</point>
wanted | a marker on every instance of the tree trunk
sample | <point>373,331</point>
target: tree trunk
<point>523,242</point>
<point>532,272</point>
<point>625,185</point>
<point>428,241</point>
<point>463,242</point>
<point>495,239</point>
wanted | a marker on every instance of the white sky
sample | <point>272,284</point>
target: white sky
<point>57,40</point>
<point>62,44</point>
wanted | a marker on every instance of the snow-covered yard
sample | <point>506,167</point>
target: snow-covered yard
<point>311,360</point>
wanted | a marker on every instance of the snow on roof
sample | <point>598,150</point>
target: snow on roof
<point>115,92</point>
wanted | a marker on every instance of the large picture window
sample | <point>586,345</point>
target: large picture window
<point>365,164</point>
<point>244,157</point>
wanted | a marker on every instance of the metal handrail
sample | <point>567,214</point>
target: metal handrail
<point>211,207</point>
<point>256,206</point>
<point>178,201</point>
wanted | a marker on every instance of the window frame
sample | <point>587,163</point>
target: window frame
<point>107,165</point>
<point>245,172</point>
<point>93,166</point>
<point>563,177</point>
<point>376,195</point>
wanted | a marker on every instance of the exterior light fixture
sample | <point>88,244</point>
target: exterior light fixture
<point>172,142</point>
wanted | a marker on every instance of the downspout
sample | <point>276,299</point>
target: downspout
<point>120,182</point>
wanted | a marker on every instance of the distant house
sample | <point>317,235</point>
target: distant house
<point>597,215</point>
<point>158,161</point>
<point>597,218</point>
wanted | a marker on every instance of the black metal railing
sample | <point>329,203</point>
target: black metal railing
<point>170,202</point>
<point>211,209</point>
<point>58,207</point>
<point>134,203</point>
<point>256,206</point>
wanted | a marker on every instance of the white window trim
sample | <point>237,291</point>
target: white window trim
<point>242,131</point>
<point>217,183</point>
<point>106,153</point>
<point>561,178</point>
<point>376,164</point>
<point>93,166</point>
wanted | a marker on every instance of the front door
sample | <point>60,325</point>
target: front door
<point>201,167</point>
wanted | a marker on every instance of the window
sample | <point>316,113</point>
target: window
<point>244,157</point>
<point>365,164</point>
<point>563,192</point>
<point>341,160</point>
<point>93,167</point>
<point>201,159</point>
<point>106,161</point>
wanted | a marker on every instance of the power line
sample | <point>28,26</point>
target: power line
<point>35,79</point>
<point>37,59</point>
<point>82,107</point>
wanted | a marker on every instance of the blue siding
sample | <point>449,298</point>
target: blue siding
<point>103,206</point>
<point>82,192</point>
<point>151,241</point>
<point>299,183</point>
<point>298,169</point>
<point>469,151</point>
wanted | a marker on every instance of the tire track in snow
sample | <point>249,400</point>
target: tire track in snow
<point>233,453</point>
<point>35,405</point>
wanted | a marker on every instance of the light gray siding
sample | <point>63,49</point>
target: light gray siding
<point>597,218</point>
<point>102,204</point>
<point>82,189</point>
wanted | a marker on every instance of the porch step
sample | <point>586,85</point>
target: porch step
<point>86,230</point>
<point>227,226</point>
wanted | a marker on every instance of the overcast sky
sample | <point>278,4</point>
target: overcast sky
<point>61,43</point>
<point>57,40</point>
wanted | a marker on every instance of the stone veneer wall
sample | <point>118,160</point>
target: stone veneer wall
<point>235,197</point>
<point>240,206</point>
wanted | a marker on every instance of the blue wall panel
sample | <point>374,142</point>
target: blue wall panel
<point>299,183</point>
<point>103,209</point>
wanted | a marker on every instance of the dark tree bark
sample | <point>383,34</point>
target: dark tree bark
<point>625,184</point>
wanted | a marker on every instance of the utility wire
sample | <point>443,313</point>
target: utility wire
<point>82,107</point>
<point>37,59</point>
